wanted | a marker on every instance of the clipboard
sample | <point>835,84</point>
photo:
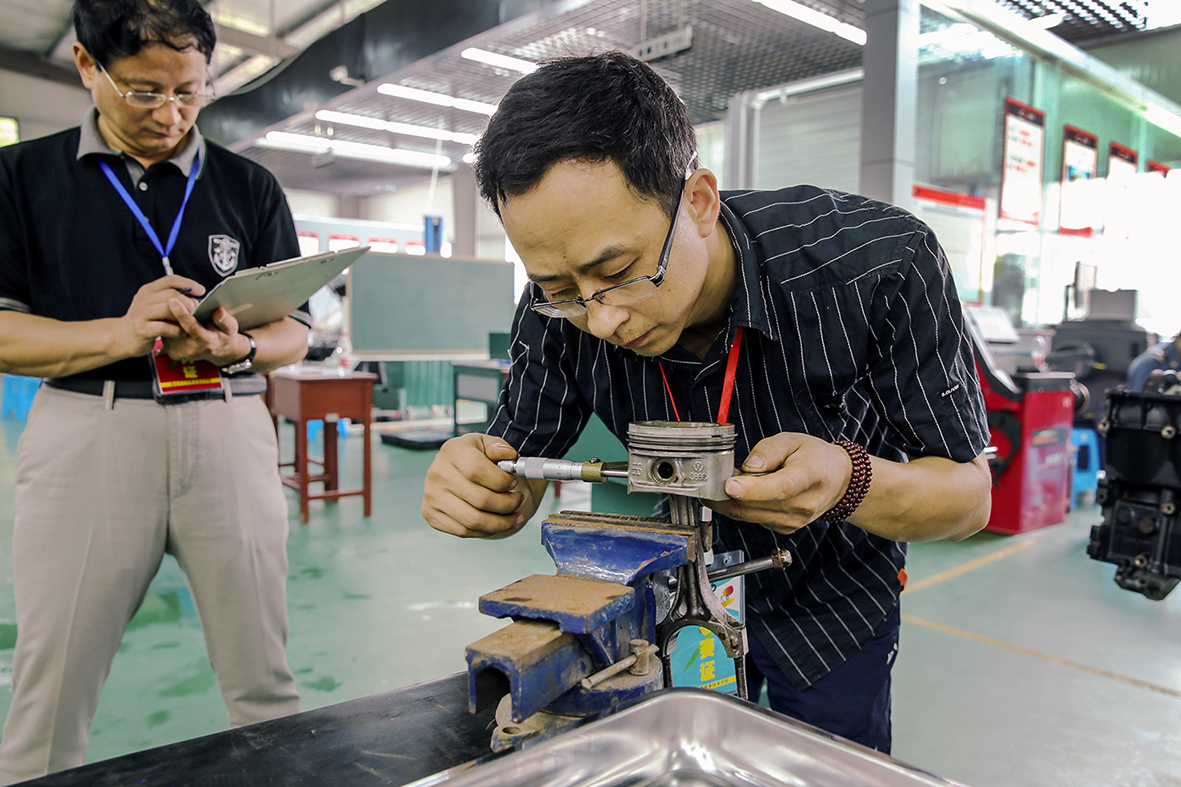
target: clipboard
<point>257,296</point>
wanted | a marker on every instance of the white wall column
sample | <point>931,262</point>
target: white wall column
<point>888,100</point>
<point>465,206</point>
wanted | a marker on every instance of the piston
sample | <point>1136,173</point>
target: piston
<point>691,459</point>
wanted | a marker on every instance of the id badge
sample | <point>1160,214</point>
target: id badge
<point>174,378</point>
<point>699,659</point>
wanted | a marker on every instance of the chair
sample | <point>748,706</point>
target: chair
<point>17,396</point>
<point>1084,475</point>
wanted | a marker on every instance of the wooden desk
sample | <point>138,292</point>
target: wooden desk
<point>315,396</point>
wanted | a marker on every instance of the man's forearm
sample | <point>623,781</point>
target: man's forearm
<point>279,343</point>
<point>42,347</point>
<point>927,499</point>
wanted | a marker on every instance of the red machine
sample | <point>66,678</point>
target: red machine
<point>1030,416</point>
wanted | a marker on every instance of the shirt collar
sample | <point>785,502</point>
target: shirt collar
<point>91,141</point>
<point>748,307</point>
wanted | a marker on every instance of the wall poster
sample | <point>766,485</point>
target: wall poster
<point>959,223</point>
<point>1079,204</point>
<point>1021,175</point>
<point>1122,194</point>
<point>1121,161</point>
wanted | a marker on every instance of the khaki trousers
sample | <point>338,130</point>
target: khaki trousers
<point>101,495</point>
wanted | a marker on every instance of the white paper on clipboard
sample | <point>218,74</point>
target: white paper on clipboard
<point>257,296</point>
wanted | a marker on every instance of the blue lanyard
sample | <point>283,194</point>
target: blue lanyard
<point>143,220</point>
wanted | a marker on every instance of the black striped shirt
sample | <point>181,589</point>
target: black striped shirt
<point>852,328</point>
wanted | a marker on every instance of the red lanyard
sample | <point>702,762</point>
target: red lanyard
<point>727,383</point>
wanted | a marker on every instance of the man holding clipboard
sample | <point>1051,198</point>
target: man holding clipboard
<point>148,436</point>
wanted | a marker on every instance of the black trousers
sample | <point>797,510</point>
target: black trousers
<point>852,701</point>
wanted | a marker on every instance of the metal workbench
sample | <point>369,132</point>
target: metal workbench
<point>679,736</point>
<point>385,739</point>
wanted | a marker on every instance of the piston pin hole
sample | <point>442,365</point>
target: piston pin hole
<point>664,470</point>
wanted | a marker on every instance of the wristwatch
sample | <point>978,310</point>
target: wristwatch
<point>247,363</point>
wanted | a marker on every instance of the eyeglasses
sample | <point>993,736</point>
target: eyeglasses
<point>155,100</point>
<point>618,294</point>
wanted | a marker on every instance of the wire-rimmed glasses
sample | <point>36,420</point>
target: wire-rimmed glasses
<point>617,294</point>
<point>143,100</point>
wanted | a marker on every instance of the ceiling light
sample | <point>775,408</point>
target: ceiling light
<point>816,19</point>
<point>1048,21</point>
<point>284,140</point>
<point>253,68</point>
<point>414,94</point>
<point>364,121</point>
<point>1158,116</point>
<point>239,22</point>
<point>360,121</point>
<point>499,61</point>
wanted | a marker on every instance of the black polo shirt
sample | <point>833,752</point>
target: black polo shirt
<point>852,328</point>
<point>70,249</point>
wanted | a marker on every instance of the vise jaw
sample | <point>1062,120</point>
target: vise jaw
<point>572,626</point>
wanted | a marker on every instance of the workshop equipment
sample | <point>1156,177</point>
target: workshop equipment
<point>581,640</point>
<point>1140,532</point>
<point>1029,418</point>
<point>1099,348</point>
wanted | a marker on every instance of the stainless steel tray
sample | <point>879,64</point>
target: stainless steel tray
<point>690,738</point>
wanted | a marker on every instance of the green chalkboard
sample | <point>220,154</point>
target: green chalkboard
<point>404,306</point>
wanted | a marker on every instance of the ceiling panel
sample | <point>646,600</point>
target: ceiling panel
<point>1084,20</point>
<point>34,26</point>
<point>737,45</point>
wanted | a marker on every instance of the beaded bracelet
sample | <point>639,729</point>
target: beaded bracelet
<point>858,483</point>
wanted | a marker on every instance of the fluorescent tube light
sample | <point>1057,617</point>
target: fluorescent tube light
<point>438,99</point>
<point>360,121</point>
<point>1049,20</point>
<point>426,132</point>
<point>232,80</point>
<point>239,22</point>
<point>1158,116</point>
<point>285,140</point>
<point>499,61</point>
<point>812,17</point>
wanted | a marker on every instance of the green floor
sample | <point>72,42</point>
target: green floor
<point>1021,661</point>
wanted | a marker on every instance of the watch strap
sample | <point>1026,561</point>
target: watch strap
<point>247,363</point>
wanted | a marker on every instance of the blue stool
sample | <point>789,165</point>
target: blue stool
<point>317,426</point>
<point>314,429</point>
<point>17,396</point>
<point>1084,475</point>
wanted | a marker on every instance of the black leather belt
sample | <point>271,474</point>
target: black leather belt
<point>127,389</point>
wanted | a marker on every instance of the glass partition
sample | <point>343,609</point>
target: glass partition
<point>965,75</point>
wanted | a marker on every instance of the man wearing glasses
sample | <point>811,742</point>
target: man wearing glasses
<point>109,233</point>
<point>854,395</point>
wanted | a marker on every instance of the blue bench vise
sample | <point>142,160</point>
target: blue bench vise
<point>582,640</point>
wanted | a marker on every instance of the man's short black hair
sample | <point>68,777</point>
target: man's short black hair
<point>595,108</point>
<point>111,29</point>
